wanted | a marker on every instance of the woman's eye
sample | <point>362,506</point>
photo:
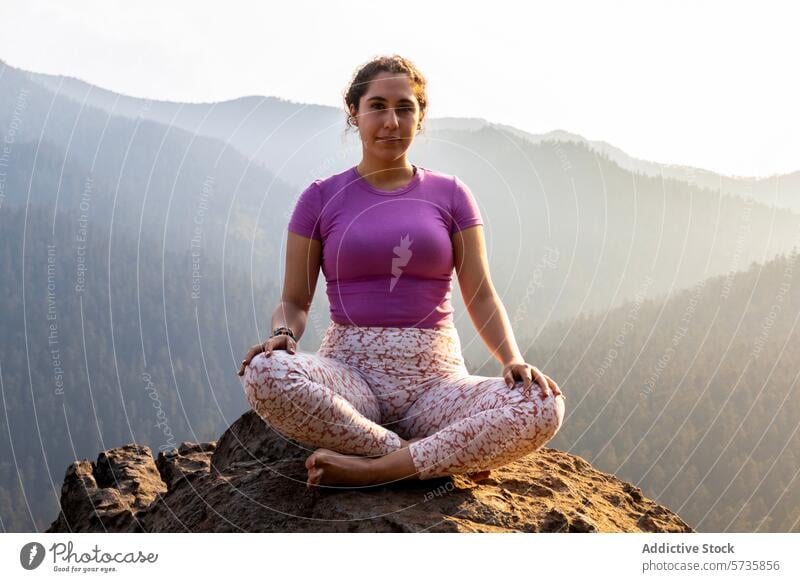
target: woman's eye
<point>376,105</point>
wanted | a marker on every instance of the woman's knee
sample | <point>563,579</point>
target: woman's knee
<point>545,415</point>
<point>266,378</point>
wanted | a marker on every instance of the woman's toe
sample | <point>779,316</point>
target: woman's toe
<point>314,476</point>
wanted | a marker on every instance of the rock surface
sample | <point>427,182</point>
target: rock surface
<point>253,480</point>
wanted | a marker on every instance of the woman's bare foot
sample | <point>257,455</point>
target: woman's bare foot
<point>326,467</point>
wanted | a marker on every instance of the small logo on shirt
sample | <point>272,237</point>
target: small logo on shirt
<point>401,258</point>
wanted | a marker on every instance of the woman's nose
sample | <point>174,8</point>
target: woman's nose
<point>391,119</point>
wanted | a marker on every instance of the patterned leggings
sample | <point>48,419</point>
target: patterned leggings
<point>368,386</point>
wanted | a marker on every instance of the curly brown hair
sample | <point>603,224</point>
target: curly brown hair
<point>384,64</point>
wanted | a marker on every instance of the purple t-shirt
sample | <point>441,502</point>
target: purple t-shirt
<point>387,256</point>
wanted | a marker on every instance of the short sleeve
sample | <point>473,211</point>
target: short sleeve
<point>465,208</point>
<point>306,215</point>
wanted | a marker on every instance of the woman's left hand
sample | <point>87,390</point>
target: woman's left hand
<point>515,371</point>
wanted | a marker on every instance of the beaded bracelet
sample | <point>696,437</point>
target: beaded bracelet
<point>283,331</point>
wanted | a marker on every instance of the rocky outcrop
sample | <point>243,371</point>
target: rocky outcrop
<point>253,480</point>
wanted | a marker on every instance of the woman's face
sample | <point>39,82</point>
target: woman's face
<point>388,114</point>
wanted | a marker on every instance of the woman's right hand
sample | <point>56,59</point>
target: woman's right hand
<point>278,342</point>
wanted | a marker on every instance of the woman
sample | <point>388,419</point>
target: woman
<point>387,235</point>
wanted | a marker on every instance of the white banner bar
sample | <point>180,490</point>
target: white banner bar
<point>401,557</point>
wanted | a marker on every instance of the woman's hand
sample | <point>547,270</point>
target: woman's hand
<point>522,371</point>
<point>278,342</point>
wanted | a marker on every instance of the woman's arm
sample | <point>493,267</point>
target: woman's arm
<point>303,260</point>
<point>303,257</point>
<point>483,304</point>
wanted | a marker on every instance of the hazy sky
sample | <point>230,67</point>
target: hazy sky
<point>708,84</point>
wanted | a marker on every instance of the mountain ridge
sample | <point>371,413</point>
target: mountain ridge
<point>628,161</point>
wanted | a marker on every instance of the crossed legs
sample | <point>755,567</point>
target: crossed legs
<point>319,401</point>
<point>465,424</point>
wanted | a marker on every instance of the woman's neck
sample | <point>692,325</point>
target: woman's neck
<point>381,176</point>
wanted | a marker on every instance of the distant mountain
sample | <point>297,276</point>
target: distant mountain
<point>141,178</point>
<point>779,191</point>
